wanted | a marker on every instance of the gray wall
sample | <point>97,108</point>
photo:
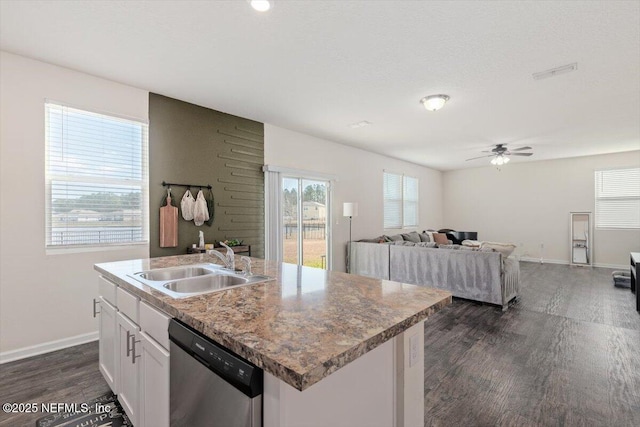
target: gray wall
<point>195,145</point>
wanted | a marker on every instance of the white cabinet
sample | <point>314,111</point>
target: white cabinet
<point>154,383</point>
<point>108,343</point>
<point>134,355</point>
<point>128,374</point>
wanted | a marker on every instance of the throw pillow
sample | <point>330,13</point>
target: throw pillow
<point>440,238</point>
<point>411,237</point>
<point>394,238</point>
<point>505,249</point>
<point>424,237</point>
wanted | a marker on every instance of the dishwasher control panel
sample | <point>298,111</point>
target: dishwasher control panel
<point>245,376</point>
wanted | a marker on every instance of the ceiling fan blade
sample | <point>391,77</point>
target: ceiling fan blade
<point>520,149</point>
<point>481,157</point>
<point>521,154</point>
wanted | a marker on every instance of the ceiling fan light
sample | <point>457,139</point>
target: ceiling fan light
<point>505,160</point>
<point>494,161</point>
<point>434,102</point>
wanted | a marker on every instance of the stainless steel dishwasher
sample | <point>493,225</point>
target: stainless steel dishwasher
<point>209,385</point>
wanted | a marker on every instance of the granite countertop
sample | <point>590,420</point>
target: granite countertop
<point>300,327</point>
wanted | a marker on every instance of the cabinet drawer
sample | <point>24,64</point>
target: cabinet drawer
<point>107,290</point>
<point>128,305</point>
<point>155,324</point>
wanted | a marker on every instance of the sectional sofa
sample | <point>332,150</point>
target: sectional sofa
<point>483,275</point>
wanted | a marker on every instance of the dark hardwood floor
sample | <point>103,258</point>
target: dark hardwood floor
<point>567,354</point>
<point>65,376</point>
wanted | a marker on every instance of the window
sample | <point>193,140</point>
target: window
<point>96,179</point>
<point>400,201</point>
<point>618,198</point>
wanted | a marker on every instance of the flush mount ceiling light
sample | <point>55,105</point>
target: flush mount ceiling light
<point>434,102</point>
<point>260,5</point>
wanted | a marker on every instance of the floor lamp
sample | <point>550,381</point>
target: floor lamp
<point>349,209</point>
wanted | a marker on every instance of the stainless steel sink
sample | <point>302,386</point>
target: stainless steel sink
<point>205,283</point>
<point>175,273</point>
<point>190,280</point>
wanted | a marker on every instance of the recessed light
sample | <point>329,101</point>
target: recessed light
<point>260,5</point>
<point>434,102</point>
<point>359,124</point>
<point>555,71</point>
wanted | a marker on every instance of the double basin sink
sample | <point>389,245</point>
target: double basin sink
<point>189,280</point>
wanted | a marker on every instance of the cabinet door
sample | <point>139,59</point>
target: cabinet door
<point>108,344</point>
<point>154,384</point>
<point>128,377</point>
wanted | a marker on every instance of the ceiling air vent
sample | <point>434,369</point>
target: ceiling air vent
<point>555,71</point>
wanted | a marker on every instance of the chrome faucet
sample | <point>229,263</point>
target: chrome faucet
<point>247,265</point>
<point>230,256</point>
<point>229,259</point>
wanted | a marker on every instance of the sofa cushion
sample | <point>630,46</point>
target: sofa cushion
<point>471,243</point>
<point>403,243</point>
<point>424,237</point>
<point>427,244</point>
<point>505,249</point>
<point>379,239</point>
<point>449,246</point>
<point>440,238</point>
<point>411,237</point>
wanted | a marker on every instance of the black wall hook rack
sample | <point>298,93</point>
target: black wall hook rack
<point>173,184</point>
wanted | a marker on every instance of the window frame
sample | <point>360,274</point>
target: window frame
<point>597,198</point>
<point>401,223</point>
<point>51,177</point>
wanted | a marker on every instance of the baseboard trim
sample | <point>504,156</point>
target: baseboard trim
<point>563,262</point>
<point>35,350</point>
<point>548,261</point>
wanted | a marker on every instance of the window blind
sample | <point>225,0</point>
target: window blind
<point>617,194</point>
<point>400,201</point>
<point>410,202</point>
<point>96,178</point>
<point>392,200</point>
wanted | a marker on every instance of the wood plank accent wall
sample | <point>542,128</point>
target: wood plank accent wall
<point>196,145</point>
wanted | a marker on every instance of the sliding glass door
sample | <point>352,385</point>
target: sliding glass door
<point>305,221</point>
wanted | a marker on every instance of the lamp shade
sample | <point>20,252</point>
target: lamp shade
<point>349,209</point>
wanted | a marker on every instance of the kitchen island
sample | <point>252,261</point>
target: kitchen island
<point>335,347</point>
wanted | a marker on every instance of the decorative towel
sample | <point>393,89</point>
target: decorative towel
<point>210,208</point>
<point>187,205</point>
<point>200,212</point>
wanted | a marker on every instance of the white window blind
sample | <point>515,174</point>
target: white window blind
<point>617,196</point>
<point>410,202</point>
<point>400,201</point>
<point>96,178</point>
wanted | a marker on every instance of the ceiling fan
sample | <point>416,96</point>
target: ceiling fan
<point>500,154</point>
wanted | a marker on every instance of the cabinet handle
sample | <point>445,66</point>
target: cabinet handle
<point>129,336</point>
<point>95,313</point>
<point>133,349</point>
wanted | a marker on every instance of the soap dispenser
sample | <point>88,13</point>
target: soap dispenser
<point>201,236</point>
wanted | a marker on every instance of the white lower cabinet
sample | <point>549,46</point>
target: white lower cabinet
<point>154,383</point>
<point>133,358</point>
<point>108,345</point>
<point>128,374</point>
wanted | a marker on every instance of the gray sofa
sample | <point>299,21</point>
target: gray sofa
<point>478,275</point>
